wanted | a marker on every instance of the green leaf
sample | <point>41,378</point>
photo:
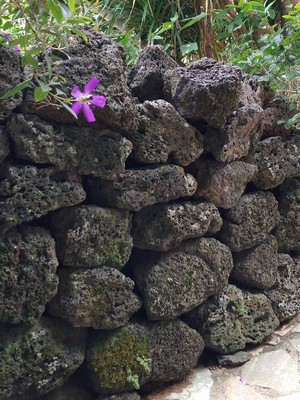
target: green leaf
<point>79,33</point>
<point>72,5</point>
<point>68,108</point>
<point>292,74</point>
<point>194,20</point>
<point>56,10</point>
<point>44,86</point>
<point>188,48</point>
<point>39,94</point>
<point>16,89</point>
<point>28,59</point>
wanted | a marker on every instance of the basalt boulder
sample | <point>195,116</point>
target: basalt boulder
<point>223,184</point>
<point>164,136</point>
<point>249,222</point>
<point>28,193</point>
<point>233,318</point>
<point>175,282</point>
<point>101,298</point>
<point>37,359</point>
<point>91,236</point>
<point>69,391</point>
<point>4,146</point>
<point>27,274</point>
<point>138,188</point>
<point>122,396</point>
<point>164,226</point>
<point>146,77</point>
<point>205,90</point>
<point>100,153</point>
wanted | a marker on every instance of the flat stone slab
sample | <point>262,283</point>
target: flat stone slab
<point>275,370</point>
<point>296,329</point>
<point>231,388</point>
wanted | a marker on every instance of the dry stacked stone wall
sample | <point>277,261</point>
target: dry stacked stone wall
<point>127,246</point>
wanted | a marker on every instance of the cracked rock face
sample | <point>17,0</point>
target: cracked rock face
<point>164,226</point>
<point>205,90</point>
<point>233,318</point>
<point>92,237</point>
<point>100,153</point>
<point>27,274</point>
<point>249,222</point>
<point>37,359</point>
<point>164,136</point>
<point>174,282</point>
<point>137,188</point>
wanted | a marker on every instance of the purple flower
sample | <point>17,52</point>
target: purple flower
<point>86,99</point>
<point>8,40</point>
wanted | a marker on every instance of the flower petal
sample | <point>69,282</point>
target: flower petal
<point>98,101</point>
<point>91,85</point>
<point>76,107</point>
<point>76,92</point>
<point>88,113</point>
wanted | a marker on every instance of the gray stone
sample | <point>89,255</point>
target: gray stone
<point>35,360</point>
<point>234,360</point>
<point>69,391</point>
<point>91,236</point>
<point>146,77</point>
<point>10,76</point>
<point>284,295</point>
<point>175,282</point>
<point>164,226</point>
<point>129,357</point>
<point>257,267</point>
<point>4,146</point>
<point>250,221</point>
<point>276,108</point>
<point>100,153</point>
<point>138,188</point>
<point>204,91</point>
<point>276,159</point>
<point>122,396</point>
<point>164,136</point>
<point>233,318</point>
<point>100,57</point>
<point>27,273</point>
<point>28,193</point>
<point>275,370</point>
<point>100,298</point>
<point>223,184</point>
<point>287,231</point>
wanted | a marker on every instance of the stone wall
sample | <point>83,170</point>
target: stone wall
<point>170,225</point>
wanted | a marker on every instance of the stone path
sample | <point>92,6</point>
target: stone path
<point>272,373</point>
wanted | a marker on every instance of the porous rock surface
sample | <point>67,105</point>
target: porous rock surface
<point>250,221</point>
<point>174,282</point>
<point>223,184</point>
<point>96,152</point>
<point>138,188</point>
<point>4,146</point>
<point>91,236</point>
<point>233,318</point>
<point>101,298</point>
<point>164,226</point>
<point>206,90</point>
<point>257,267</point>
<point>27,273</point>
<point>164,136</point>
<point>27,193</point>
<point>39,358</point>
<point>132,351</point>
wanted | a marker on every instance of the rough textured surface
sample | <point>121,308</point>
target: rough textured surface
<point>257,267</point>
<point>223,184</point>
<point>91,236</point>
<point>284,295</point>
<point>206,90</point>
<point>138,188</point>
<point>28,193</point>
<point>287,231</point>
<point>10,76</point>
<point>35,360</point>
<point>234,360</point>
<point>164,136</point>
<point>250,221</point>
<point>276,159</point>
<point>164,226</point>
<point>100,153</point>
<point>233,318</point>
<point>175,282</point>
<point>101,298</point>
<point>100,57</point>
<point>116,359</point>
<point>27,273</point>
<point>4,146</point>
<point>146,77</point>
